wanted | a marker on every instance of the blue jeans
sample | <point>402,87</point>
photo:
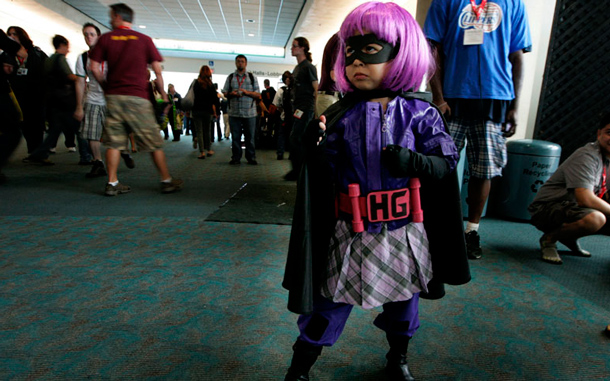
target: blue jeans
<point>248,127</point>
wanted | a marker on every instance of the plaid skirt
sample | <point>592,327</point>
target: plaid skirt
<point>370,270</point>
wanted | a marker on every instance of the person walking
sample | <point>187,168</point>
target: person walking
<point>27,82</point>
<point>204,109</point>
<point>127,99</point>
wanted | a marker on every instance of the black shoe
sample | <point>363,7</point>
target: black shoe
<point>280,156</point>
<point>97,170</point>
<point>234,162</point>
<point>252,162</point>
<point>176,140</point>
<point>129,162</point>
<point>305,355</point>
<point>43,162</point>
<point>399,371</point>
<point>473,245</point>
<point>82,162</point>
<point>397,368</point>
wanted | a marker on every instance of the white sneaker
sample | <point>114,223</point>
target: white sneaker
<point>71,149</point>
<point>52,150</point>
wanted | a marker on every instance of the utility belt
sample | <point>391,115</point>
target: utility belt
<point>381,206</point>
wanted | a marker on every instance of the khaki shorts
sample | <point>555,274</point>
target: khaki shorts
<point>126,114</point>
<point>548,216</point>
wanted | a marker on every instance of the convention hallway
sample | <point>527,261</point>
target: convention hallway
<point>187,286</point>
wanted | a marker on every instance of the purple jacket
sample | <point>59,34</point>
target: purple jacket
<point>354,148</point>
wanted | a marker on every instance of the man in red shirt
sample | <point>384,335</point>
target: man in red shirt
<point>128,54</point>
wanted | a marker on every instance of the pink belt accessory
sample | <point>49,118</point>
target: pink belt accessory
<point>382,206</point>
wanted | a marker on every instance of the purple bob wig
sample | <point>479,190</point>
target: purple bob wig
<point>393,24</point>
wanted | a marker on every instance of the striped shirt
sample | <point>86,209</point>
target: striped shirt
<point>242,107</point>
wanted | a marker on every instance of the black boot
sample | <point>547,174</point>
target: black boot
<point>397,367</point>
<point>305,355</point>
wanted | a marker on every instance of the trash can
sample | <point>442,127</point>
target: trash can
<point>530,164</point>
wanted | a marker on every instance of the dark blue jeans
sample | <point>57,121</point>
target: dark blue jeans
<point>248,127</point>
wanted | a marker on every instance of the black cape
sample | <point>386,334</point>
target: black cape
<point>314,220</point>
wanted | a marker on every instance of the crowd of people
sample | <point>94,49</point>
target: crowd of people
<point>363,145</point>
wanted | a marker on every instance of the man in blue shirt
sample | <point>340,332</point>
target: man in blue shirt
<point>479,53</point>
<point>243,92</point>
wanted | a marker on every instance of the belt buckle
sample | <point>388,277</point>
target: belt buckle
<point>388,205</point>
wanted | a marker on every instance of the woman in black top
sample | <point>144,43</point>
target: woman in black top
<point>27,81</point>
<point>204,108</point>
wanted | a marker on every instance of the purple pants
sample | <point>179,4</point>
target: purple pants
<point>326,323</point>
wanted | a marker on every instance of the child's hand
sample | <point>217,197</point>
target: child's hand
<point>396,159</point>
<point>322,130</point>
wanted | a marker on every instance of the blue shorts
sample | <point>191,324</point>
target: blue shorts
<point>486,149</point>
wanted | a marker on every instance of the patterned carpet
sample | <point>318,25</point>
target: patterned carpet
<point>143,287</point>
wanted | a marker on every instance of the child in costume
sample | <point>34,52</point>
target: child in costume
<point>358,236</point>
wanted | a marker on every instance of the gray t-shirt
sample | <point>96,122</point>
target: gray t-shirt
<point>583,169</point>
<point>303,95</point>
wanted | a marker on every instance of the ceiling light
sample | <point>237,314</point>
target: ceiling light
<point>250,34</point>
<point>250,20</point>
<point>142,26</point>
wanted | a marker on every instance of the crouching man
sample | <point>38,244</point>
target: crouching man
<point>573,203</point>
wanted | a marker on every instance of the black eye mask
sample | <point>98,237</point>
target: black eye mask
<point>357,43</point>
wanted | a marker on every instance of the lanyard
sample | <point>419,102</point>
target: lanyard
<point>477,10</point>
<point>123,27</point>
<point>603,190</point>
<point>239,83</point>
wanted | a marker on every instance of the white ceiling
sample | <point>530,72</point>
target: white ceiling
<point>251,22</point>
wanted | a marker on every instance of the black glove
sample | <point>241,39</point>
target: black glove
<point>313,132</point>
<point>402,162</point>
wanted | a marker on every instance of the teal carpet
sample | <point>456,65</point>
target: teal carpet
<point>144,287</point>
